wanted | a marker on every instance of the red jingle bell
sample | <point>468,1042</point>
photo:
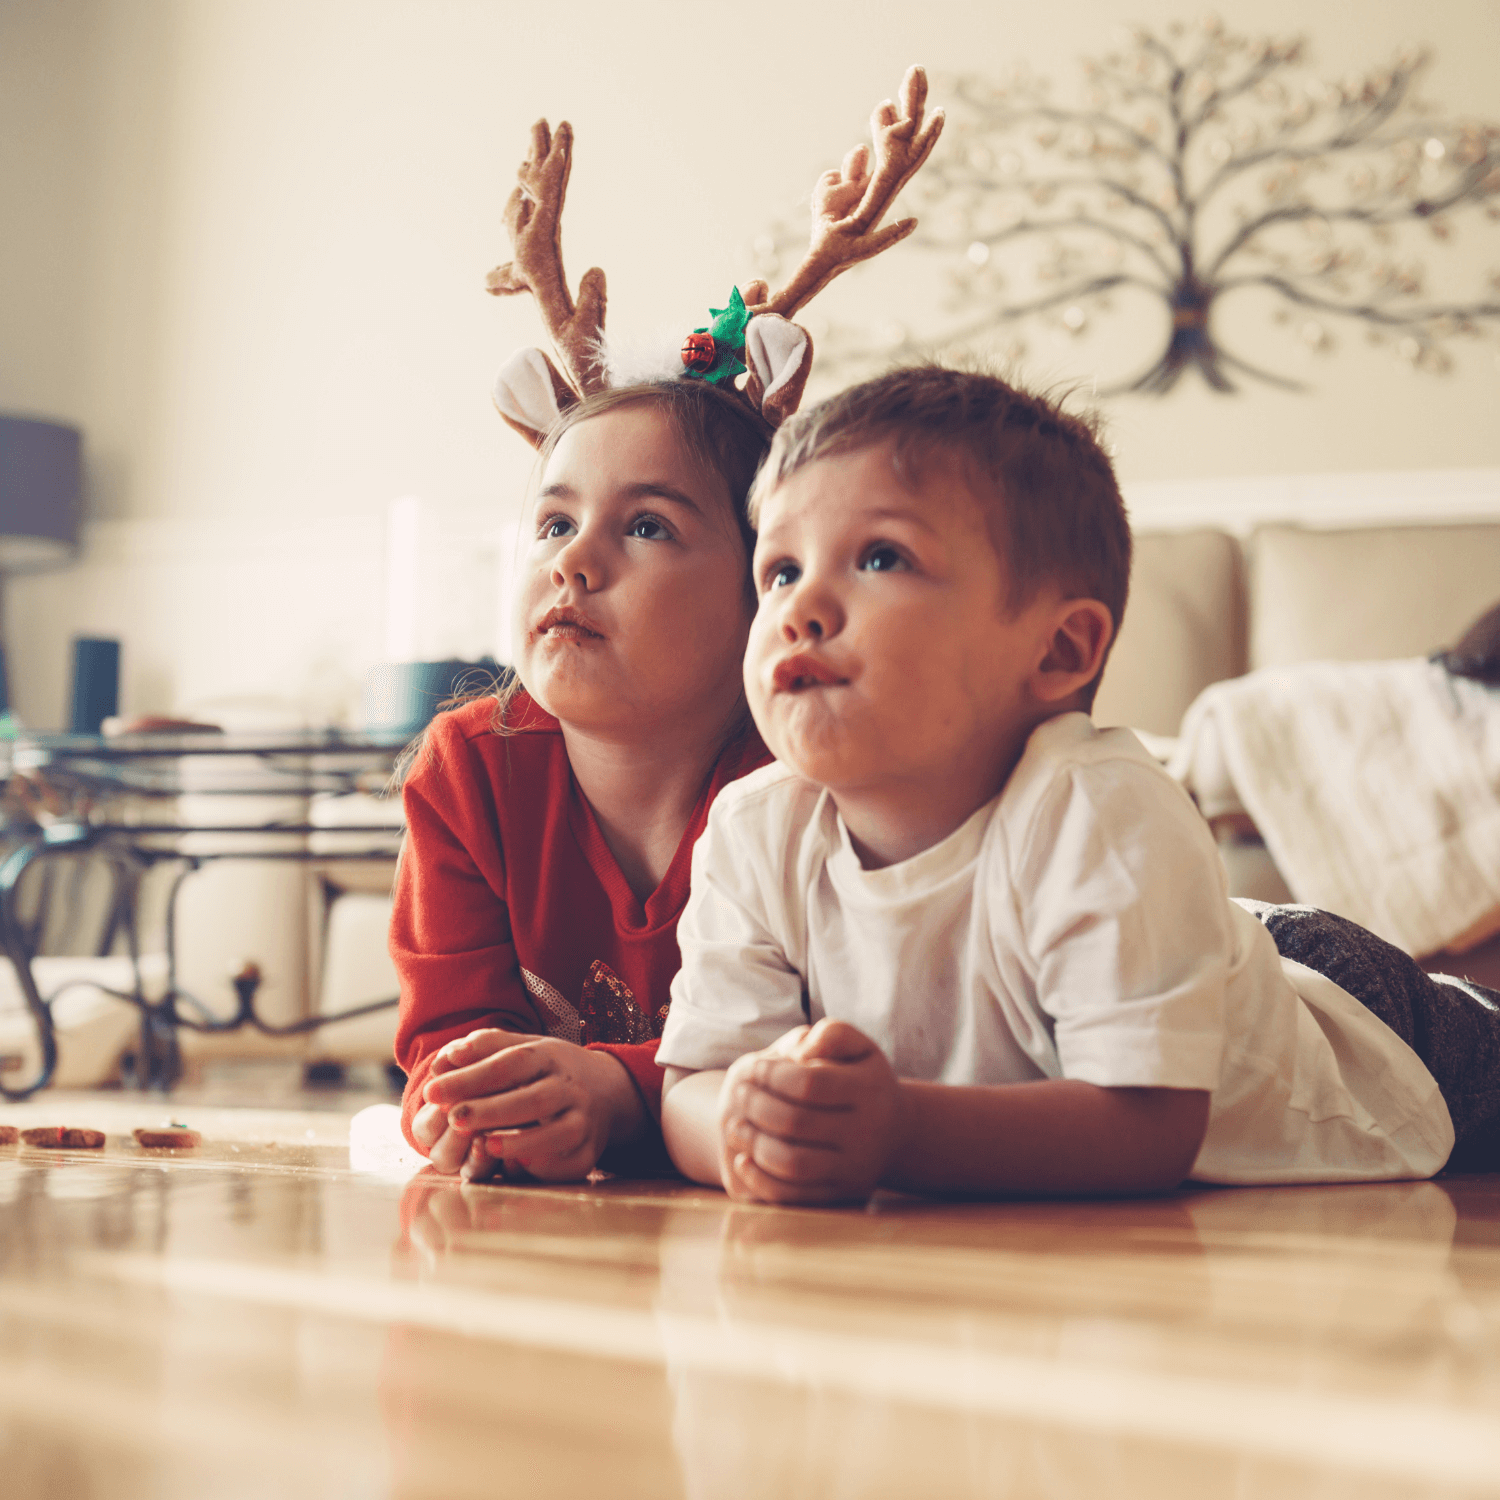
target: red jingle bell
<point>698,352</point>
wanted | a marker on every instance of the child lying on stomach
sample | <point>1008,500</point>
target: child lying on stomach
<point>961,940</point>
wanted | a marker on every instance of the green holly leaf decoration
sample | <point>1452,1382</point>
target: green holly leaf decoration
<point>728,329</point>
<point>728,326</point>
<point>727,368</point>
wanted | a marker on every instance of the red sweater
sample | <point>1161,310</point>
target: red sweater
<point>510,910</point>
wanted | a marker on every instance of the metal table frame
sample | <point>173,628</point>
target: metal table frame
<point>88,772</point>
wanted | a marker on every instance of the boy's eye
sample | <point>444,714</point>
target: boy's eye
<point>649,529</point>
<point>882,559</point>
<point>783,574</point>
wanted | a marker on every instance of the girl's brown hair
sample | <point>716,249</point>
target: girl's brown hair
<point>720,430</point>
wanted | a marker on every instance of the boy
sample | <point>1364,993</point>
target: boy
<point>959,939</point>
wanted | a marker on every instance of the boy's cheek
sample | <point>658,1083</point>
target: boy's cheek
<point>756,670</point>
<point>760,711</point>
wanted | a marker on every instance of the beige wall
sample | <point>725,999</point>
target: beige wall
<point>244,241</point>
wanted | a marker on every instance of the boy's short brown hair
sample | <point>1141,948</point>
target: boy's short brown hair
<point>1054,506</point>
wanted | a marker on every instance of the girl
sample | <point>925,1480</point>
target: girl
<point>549,835</point>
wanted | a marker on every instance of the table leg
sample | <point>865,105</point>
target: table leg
<point>13,939</point>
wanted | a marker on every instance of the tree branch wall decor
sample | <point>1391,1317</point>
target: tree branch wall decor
<point>1198,166</point>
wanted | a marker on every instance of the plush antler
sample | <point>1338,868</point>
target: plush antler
<point>533,217</point>
<point>848,203</point>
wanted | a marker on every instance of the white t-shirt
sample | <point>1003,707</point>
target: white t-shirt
<point>1077,926</point>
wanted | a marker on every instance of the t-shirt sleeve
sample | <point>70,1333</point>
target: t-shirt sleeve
<point>1123,902</point>
<point>450,934</point>
<point>738,989</point>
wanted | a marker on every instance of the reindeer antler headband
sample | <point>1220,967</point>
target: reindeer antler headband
<point>754,334</point>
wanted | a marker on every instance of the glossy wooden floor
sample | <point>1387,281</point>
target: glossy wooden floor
<point>257,1319</point>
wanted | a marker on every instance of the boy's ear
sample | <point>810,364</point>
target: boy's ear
<point>1081,632</point>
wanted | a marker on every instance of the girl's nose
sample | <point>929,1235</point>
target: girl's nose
<point>576,564</point>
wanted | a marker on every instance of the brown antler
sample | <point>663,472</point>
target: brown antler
<point>849,202</point>
<point>533,216</point>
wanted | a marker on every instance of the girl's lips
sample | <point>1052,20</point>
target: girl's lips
<point>795,673</point>
<point>569,624</point>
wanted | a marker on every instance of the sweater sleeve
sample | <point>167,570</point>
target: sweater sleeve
<point>646,1156</point>
<point>450,935</point>
<point>639,1060</point>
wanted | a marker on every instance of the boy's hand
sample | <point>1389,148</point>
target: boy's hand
<point>811,1119</point>
<point>502,1098</point>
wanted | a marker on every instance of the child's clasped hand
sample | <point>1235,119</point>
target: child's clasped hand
<point>813,1118</point>
<point>508,1099</point>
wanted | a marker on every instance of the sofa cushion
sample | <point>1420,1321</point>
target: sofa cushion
<point>1376,593</point>
<point>1184,628</point>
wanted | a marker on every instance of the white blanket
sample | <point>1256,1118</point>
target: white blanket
<point>1375,785</point>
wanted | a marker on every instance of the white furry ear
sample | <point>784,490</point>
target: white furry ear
<point>775,349</point>
<point>525,394</point>
<point>779,357</point>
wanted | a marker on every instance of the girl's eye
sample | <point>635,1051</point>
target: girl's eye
<point>554,527</point>
<point>782,575</point>
<point>649,529</point>
<point>882,559</point>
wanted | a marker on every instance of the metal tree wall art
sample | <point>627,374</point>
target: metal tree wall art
<point>1201,166</point>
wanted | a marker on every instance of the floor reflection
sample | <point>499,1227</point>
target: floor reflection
<point>1236,1343</point>
<point>258,1319</point>
<point>1193,1347</point>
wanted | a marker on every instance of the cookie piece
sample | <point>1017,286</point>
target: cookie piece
<point>177,1136</point>
<point>9,1135</point>
<point>64,1138</point>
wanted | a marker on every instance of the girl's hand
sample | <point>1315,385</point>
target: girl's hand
<point>537,1103</point>
<point>813,1118</point>
<point>451,1151</point>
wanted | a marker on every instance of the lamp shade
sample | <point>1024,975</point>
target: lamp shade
<point>40,484</point>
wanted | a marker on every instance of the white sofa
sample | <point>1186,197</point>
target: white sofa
<point>1207,604</point>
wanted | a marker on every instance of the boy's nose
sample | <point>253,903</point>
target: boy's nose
<point>801,630</point>
<point>809,627</point>
<point>809,616</point>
